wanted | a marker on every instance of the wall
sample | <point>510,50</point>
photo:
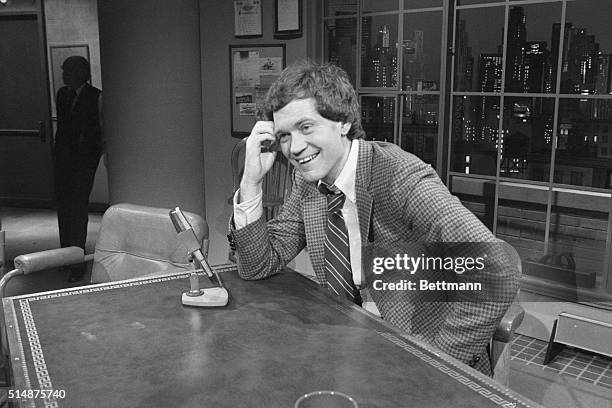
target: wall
<point>70,22</point>
<point>75,22</point>
<point>217,33</point>
<point>150,55</point>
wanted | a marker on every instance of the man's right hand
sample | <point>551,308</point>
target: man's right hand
<point>256,163</point>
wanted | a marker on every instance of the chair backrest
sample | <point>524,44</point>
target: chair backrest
<point>237,163</point>
<point>276,184</point>
<point>136,241</point>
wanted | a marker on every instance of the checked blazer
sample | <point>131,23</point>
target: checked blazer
<point>399,198</point>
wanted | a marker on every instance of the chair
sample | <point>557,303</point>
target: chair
<point>501,343</point>
<point>134,241</point>
<point>276,183</point>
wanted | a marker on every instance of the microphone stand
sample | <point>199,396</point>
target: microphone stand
<point>210,297</point>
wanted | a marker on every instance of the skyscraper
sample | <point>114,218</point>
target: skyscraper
<point>603,79</point>
<point>515,51</point>
<point>537,68</point>
<point>582,58</point>
<point>464,61</point>
<point>366,50</point>
<point>554,50</point>
<point>413,62</point>
<point>384,60</point>
<point>342,44</point>
<point>490,73</point>
<point>490,80</point>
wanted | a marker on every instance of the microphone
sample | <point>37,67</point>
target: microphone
<point>216,296</point>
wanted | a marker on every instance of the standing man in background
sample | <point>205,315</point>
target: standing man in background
<point>77,149</point>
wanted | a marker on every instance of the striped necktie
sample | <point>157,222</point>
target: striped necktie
<point>337,253</point>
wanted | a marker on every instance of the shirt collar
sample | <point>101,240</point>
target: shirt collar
<point>346,179</point>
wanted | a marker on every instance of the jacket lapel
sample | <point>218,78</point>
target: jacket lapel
<point>362,186</point>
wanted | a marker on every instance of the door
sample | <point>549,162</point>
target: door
<point>26,173</point>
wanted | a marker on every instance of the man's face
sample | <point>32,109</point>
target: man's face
<point>72,75</point>
<point>313,144</point>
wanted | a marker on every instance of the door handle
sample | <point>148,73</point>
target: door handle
<point>40,132</point>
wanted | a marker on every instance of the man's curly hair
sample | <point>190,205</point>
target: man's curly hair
<point>328,84</point>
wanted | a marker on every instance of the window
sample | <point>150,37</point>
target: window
<point>394,52</point>
<point>519,109</point>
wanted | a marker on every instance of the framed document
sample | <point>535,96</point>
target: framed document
<point>247,18</point>
<point>287,18</point>
<point>253,70</point>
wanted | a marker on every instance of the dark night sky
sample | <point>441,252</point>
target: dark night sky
<point>484,25</point>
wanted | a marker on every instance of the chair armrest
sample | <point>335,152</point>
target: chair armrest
<point>53,258</point>
<point>509,323</point>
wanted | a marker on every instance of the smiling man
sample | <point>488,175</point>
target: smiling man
<point>349,193</point>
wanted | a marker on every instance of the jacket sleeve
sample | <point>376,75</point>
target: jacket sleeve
<point>263,249</point>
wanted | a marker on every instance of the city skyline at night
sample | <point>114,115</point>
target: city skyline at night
<point>526,133</point>
<point>523,128</point>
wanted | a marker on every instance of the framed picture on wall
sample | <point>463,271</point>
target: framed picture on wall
<point>253,70</point>
<point>247,18</point>
<point>287,18</point>
<point>57,55</point>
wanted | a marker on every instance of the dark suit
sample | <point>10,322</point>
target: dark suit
<point>399,198</point>
<point>78,144</point>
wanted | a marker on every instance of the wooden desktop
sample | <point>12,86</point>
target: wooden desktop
<point>132,343</point>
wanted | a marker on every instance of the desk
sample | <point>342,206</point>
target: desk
<point>132,344</point>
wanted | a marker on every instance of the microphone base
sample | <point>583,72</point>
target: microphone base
<point>209,297</point>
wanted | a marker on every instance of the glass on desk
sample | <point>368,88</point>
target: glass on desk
<point>325,399</point>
